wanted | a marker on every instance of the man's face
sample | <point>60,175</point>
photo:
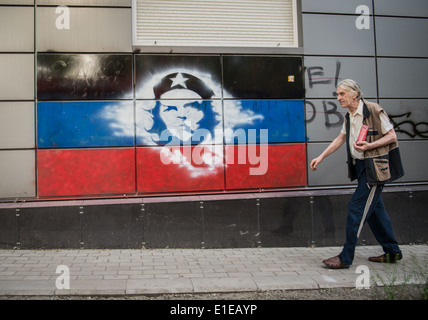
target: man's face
<point>181,117</point>
<point>345,97</point>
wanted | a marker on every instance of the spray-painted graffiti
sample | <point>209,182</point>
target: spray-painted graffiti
<point>410,118</point>
<point>186,122</point>
<point>182,105</point>
<point>205,124</point>
<point>402,124</point>
<point>179,132</point>
<point>331,112</point>
<point>333,118</point>
<point>316,76</point>
<point>403,118</point>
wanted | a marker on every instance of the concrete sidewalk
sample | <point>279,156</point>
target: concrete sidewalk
<point>160,271</point>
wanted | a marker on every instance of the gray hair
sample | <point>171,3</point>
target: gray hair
<point>352,86</point>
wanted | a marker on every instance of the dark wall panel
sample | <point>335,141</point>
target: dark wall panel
<point>301,218</point>
<point>329,219</point>
<point>285,222</point>
<point>255,77</point>
<point>8,228</point>
<point>417,214</point>
<point>174,222</point>
<point>49,227</point>
<point>112,226</point>
<point>231,223</point>
<point>159,74</point>
<point>84,76</point>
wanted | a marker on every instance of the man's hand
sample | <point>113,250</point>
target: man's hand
<point>389,137</point>
<point>332,147</point>
<point>315,162</point>
<point>362,146</point>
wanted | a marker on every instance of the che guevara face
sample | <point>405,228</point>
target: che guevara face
<point>181,117</point>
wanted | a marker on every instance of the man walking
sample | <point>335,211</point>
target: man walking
<point>373,161</point>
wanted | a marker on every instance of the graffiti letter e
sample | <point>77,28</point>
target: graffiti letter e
<point>63,20</point>
<point>363,21</point>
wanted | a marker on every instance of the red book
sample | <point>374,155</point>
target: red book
<point>363,133</point>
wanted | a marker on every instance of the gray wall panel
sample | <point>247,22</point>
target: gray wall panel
<point>334,6</point>
<point>332,171</point>
<point>415,158</point>
<point>91,30</point>
<point>402,78</point>
<point>401,37</point>
<point>324,119</point>
<point>16,125</point>
<point>17,172</point>
<point>336,35</point>
<point>415,8</point>
<point>17,76</point>
<point>21,2</point>
<point>17,29</point>
<point>410,117</point>
<point>323,73</point>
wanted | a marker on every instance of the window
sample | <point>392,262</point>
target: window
<point>220,23</point>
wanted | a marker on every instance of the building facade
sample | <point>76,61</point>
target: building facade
<point>156,123</point>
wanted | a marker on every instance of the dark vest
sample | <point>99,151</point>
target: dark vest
<point>382,164</point>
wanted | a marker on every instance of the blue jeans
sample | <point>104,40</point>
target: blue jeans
<point>366,205</point>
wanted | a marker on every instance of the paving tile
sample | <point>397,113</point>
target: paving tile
<point>159,286</point>
<point>237,284</point>
<point>27,287</point>
<point>335,281</point>
<point>285,283</point>
<point>94,287</point>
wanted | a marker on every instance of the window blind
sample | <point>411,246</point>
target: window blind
<point>218,23</point>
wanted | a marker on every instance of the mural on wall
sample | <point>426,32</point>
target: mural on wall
<point>71,172</point>
<point>197,123</point>
<point>75,124</point>
<point>84,76</point>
